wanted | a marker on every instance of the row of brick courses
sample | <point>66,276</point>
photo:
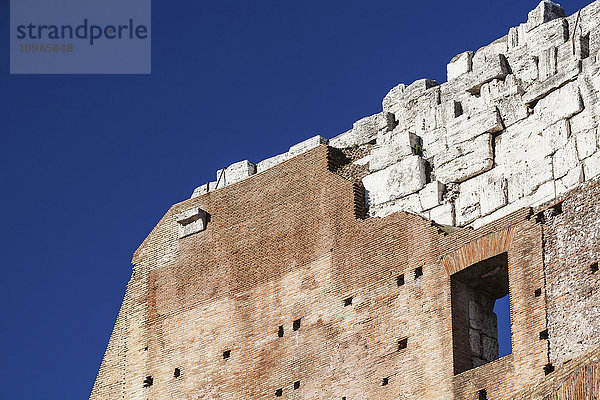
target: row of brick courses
<point>285,244</point>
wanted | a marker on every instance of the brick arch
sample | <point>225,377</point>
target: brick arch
<point>478,250</point>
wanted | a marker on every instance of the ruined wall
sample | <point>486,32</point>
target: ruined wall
<point>365,305</point>
<point>515,125</point>
<point>572,252</point>
<point>275,281</point>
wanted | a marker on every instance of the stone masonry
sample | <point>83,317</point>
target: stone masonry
<point>515,125</point>
<point>367,266</point>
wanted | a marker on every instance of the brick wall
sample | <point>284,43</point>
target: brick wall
<point>286,245</point>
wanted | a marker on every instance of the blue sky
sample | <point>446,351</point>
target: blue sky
<point>90,163</point>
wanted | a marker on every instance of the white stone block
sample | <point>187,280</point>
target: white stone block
<point>466,127</point>
<point>408,203</point>
<point>559,104</point>
<point>547,63</point>
<point>541,89</point>
<point>306,145</point>
<point>550,34</point>
<point>467,202</point>
<point>570,181</point>
<point>565,159</point>
<point>391,148</point>
<point>494,67</point>
<point>584,121</point>
<point>586,143</point>
<point>393,101</point>
<point>493,192</point>
<point>235,172</point>
<point>191,221</point>
<point>431,195</point>
<point>526,177</point>
<point>591,166</point>
<point>544,12</point>
<point>396,181</point>
<point>434,143</point>
<point>271,161</point>
<point>364,131</point>
<point>460,64</point>
<point>544,193</point>
<point>443,215</point>
<point>464,160</point>
<point>556,136</point>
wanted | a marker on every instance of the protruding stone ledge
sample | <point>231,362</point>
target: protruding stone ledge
<point>191,221</point>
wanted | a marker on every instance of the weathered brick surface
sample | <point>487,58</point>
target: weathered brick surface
<point>286,244</point>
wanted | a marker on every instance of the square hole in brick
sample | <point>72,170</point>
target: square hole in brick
<point>594,267</point>
<point>280,331</point>
<point>482,394</point>
<point>296,324</point>
<point>226,354</point>
<point>279,392</point>
<point>348,301</point>
<point>400,280</point>
<point>296,385</point>
<point>556,209</point>
<point>177,373</point>
<point>402,343</point>
<point>148,381</point>
<point>537,293</point>
<point>385,381</point>
<point>544,334</point>
<point>418,272</point>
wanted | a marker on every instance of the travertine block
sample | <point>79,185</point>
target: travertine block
<point>555,136</point>
<point>526,177</point>
<point>271,161</point>
<point>586,142</point>
<point>398,180</point>
<point>393,100</point>
<point>547,63</point>
<point>464,160</point>
<point>544,12</point>
<point>467,203</point>
<point>460,64</point>
<point>496,67</point>
<point>493,192</point>
<point>191,221</point>
<point>591,166</point>
<point>550,34</point>
<point>565,159</point>
<point>235,172</point>
<point>306,145</point>
<point>410,203</point>
<point>364,130</point>
<point>571,180</point>
<point>559,104</point>
<point>584,121</point>
<point>443,215</point>
<point>542,89</point>
<point>392,148</point>
<point>431,195</point>
<point>466,127</point>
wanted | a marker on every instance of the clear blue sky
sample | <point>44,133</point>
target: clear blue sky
<point>90,163</point>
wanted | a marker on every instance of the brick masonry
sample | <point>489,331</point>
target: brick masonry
<point>368,268</point>
<point>286,245</point>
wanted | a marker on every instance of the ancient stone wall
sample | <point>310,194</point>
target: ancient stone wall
<point>515,125</point>
<point>274,281</point>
